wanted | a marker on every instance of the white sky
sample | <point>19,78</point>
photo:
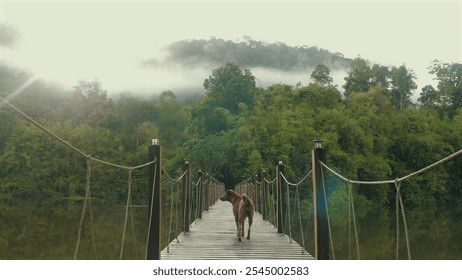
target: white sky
<point>66,41</point>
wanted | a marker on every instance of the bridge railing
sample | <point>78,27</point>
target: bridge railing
<point>205,191</point>
<point>274,205</point>
<point>192,199</point>
<point>279,201</point>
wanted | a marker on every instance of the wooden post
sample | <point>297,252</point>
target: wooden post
<point>199,193</point>
<point>321,230</point>
<point>264,191</point>
<point>154,201</point>
<point>186,196</point>
<point>206,193</point>
<point>257,200</point>
<point>210,192</point>
<point>280,197</point>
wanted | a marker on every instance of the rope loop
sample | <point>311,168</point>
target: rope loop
<point>397,183</point>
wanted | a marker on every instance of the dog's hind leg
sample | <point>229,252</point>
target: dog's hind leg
<point>237,226</point>
<point>250,225</point>
<point>240,229</point>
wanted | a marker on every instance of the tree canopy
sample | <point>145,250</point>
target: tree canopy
<point>249,52</point>
<point>236,129</point>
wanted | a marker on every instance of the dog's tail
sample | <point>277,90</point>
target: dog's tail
<point>247,201</point>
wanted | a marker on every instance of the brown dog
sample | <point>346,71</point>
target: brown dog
<point>243,207</point>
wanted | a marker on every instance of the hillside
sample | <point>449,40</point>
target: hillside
<point>251,53</point>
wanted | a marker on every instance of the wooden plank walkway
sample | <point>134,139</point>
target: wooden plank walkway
<point>214,238</point>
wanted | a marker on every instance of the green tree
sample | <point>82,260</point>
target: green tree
<point>172,120</point>
<point>92,102</point>
<point>449,89</point>
<point>380,76</point>
<point>402,86</point>
<point>321,75</point>
<point>229,85</point>
<point>359,76</point>
<point>319,97</point>
<point>429,97</point>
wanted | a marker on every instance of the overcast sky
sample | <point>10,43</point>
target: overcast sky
<point>66,41</point>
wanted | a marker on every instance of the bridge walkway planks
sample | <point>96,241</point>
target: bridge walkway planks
<point>214,238</point>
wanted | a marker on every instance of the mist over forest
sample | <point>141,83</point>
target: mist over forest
<point>270,62</point>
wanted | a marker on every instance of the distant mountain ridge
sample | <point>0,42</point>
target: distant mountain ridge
<point>251,53</point>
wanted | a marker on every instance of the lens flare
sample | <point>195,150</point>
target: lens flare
<point>18,90</point>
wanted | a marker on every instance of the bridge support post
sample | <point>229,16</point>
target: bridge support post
<point>265,194</point>
<point>199,193</point>
<point>154,201</point>
<point>186,195</point>
<point>256,193</point>
<point>321,230</point>
<point>280,197</point>
<point>208,186</point>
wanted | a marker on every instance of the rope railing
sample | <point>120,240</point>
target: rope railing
<point>399,201</point>
<point>392,181</point>
<point>328,216</point>
<point>208,194</point>
<point>275,186</point>
<point>172,179</point>
<point>268,194</point>
<point>296,184</point>
<point>67,143</point>
<point>298,203</point>
<point>174,201</point>
<point>352,216</point>
<point>154,186</point>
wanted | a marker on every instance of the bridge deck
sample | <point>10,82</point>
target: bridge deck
<point>214,238</point>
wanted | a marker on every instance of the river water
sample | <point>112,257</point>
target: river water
<point>49,231</point>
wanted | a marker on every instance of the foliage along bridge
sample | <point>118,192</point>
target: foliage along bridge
<point>212,233</point>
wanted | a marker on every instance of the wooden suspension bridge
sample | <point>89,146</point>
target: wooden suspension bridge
<point>214,238</point>
<point>213,234</point>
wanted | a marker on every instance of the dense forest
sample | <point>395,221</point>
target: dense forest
<point>250,53</point>
<point>371,128</point>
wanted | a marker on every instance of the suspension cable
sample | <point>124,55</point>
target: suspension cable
<point>296,184</point>
<point>170,223</point>
<point>273,202</point>
<point>279,202</point>
<point>399,204</point>
<point>66,143</point>
<point>298,202</point>
<point>272,181</point>
<point>133,230</point>
<point>349,221</point>
<point>288,210</point>
<point>327,212</point>
<point>151,207</point>
<point>300,218</point>
<point>92,225</point>
<point>355,181</point>
<point>82,216</point>
<point>350,195</point>
<point>175,180</point>
<point>399,201</point>
<point>127,206</point>
<point>439,162</point>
